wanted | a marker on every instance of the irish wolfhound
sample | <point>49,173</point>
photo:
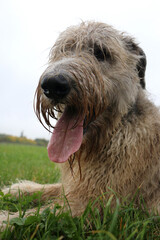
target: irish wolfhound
<point>108,132</point>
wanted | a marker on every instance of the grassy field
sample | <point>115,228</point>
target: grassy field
<point>26,162</point>
<point>125,222</point>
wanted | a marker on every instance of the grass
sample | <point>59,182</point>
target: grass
<point>124,222</point>
<point>26,162</point>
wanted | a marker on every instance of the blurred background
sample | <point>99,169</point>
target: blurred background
<point>29,28</point>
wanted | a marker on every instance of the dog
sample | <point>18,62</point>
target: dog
<point>108,131</point>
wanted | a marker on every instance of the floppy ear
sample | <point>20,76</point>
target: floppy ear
<point>141,66</point>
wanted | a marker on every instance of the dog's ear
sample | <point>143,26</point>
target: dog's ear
<point>141,66</point>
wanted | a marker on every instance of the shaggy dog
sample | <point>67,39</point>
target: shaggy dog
<point>108,131</point>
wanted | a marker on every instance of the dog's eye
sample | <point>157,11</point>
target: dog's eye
<point>101,53</point>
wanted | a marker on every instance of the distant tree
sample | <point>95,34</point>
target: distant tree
<point>41,142</point>
<point>4,138</point>
<point>22,134</point>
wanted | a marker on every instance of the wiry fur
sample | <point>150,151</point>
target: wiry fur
<point>121,144</point>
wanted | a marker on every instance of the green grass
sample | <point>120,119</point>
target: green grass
<point>26,162</point>
<point>124,222</point>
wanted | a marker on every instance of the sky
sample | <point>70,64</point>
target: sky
<point>29,28</point>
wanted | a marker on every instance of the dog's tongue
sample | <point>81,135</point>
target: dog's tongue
<point>65,139</point>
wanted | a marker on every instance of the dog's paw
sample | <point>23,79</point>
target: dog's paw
<point>22,187</point>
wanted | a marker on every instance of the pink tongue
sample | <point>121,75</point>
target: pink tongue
<point>65,140</point>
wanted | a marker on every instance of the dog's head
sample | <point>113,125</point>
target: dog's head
<point>94,74</point>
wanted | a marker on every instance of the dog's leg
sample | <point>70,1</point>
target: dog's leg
<point>49,191</point>
<point>28,188</point>
<point>6,216</point>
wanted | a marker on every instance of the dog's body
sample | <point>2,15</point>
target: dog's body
<point>107,127</point>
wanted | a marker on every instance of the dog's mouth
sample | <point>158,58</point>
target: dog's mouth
<point>66,138</point>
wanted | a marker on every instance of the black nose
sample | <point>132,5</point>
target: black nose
<point>55,86</point>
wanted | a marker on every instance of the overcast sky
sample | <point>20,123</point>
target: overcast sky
<point>29,28</point>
